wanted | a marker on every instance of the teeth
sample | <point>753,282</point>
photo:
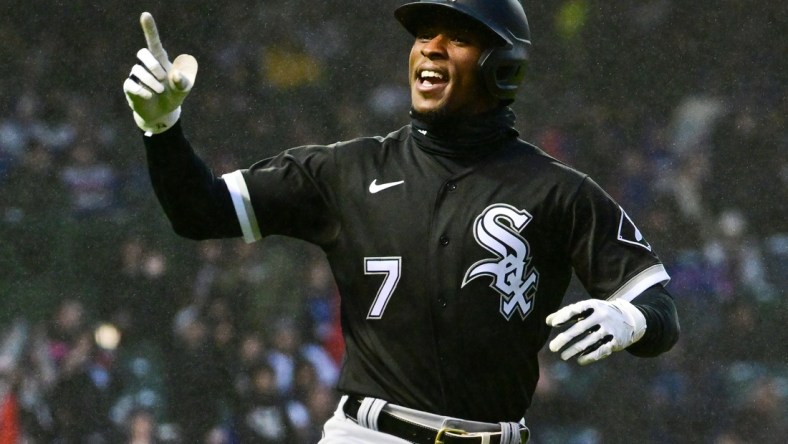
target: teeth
<point>431,75</point>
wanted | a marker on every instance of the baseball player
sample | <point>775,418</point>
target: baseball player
<point>451,240</point>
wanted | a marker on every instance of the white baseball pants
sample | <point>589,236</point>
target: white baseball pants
<point>341,430</point>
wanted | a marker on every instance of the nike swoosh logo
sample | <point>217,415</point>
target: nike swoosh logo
<point>375,187</point>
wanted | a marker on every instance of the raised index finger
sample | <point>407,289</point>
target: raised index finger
<point>152,36</point>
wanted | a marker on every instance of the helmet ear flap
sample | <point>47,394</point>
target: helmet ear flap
<point>503,71</point>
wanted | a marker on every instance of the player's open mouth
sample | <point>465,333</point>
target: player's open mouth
<point>429,79</point>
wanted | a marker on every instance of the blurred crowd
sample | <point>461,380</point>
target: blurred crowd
<point>113,330</point>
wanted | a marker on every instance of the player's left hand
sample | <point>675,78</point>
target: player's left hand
<point>598,328</point>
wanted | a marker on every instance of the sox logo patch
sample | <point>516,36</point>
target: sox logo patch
<point>497,229</point>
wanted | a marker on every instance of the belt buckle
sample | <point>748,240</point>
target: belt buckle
<point>444,430</point>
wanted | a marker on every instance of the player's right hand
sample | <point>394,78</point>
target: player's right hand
<point>156,87</point>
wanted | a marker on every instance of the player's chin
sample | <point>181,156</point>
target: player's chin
<point>426,105</point>
<point>437,116</point>
<point>429,110</point>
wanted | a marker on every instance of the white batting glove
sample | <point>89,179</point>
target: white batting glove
<point>600,328</point>
<point>156,87</point>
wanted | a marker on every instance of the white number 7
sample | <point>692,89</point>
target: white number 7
<point>391,267</point>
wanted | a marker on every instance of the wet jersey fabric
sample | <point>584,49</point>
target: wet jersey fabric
<point>447,260</point>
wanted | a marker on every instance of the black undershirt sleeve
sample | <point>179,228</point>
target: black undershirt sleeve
<point>195,201</point>
<point>662,323</point>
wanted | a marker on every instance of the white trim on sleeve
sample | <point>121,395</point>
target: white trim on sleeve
<point>243,206</point>
<point>653,275</point>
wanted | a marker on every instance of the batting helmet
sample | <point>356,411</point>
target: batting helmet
<point>503,66</point>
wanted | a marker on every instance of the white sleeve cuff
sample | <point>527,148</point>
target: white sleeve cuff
<point>653,275</point>
<point>243,206</point>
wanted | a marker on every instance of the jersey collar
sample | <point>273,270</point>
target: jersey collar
<point>464,137</point>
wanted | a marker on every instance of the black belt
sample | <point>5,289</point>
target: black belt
<point>416,433</point>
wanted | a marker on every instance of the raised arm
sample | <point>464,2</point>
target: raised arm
<point>196,202</point>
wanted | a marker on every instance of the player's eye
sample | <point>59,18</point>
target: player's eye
<point>462,37</point>
<point>425,36</point>
<point>461,40</point>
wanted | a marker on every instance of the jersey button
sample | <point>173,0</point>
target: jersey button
<point>443,302</point>
<point>444,240</point>
<point>451,186</point>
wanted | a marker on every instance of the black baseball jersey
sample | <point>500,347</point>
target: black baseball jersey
<point>447,264</point>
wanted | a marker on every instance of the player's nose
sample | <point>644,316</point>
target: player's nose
<point>435,47</point>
